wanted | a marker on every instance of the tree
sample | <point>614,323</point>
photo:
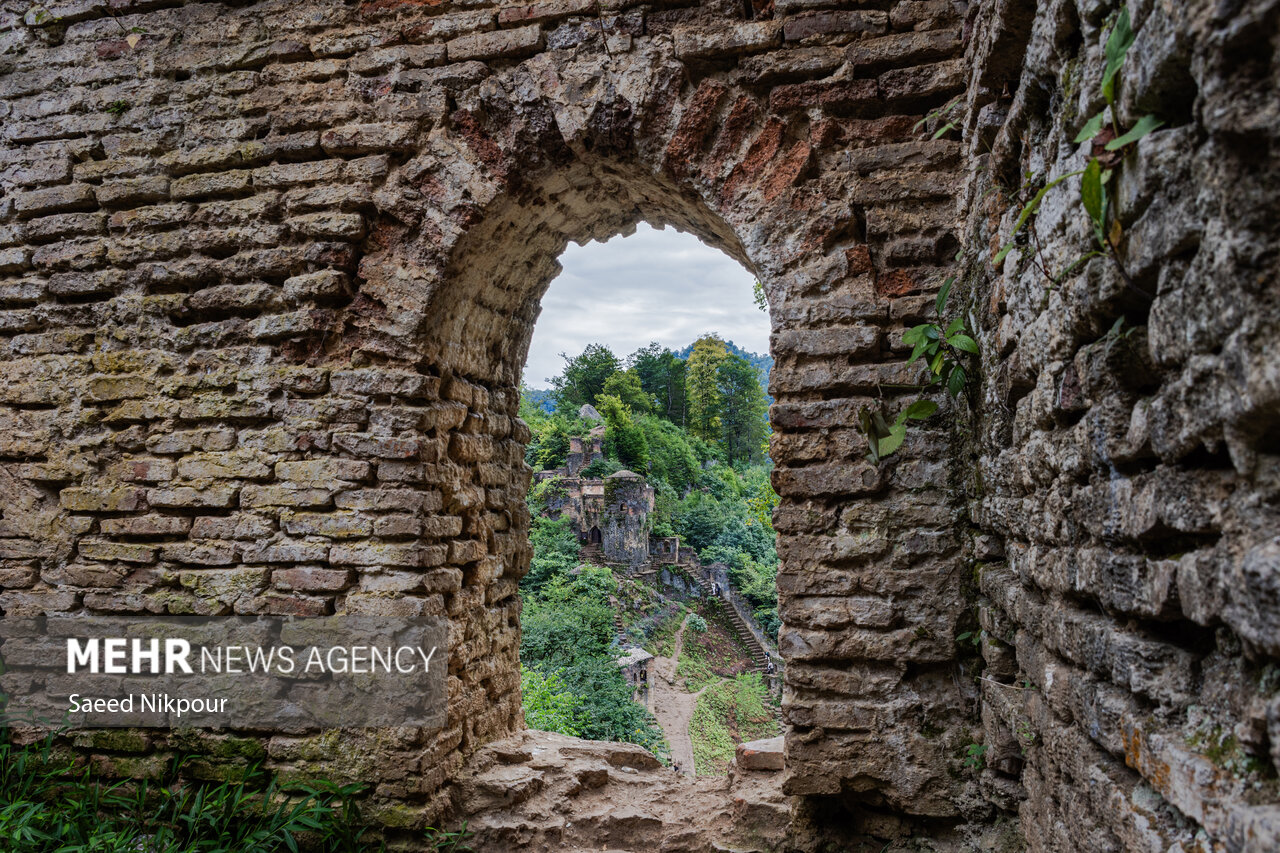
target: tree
<point>622,437</point>
<point>626,386</point>
<point>583,377</point>
<point>662,376</point>
<point>702,387</point>
<point>549,704</point>
<point>671,458</point>
<point>742,409</point>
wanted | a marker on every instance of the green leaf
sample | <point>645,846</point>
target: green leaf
<point>1076,264</point>
<point>919,410</point>
<point>955,384</point>
<point>1002,254</point>
<point>890,443</point>
<point>914,335</point>
<point>943,293</point>
<point>931,331</point>
<point>1034,204</point>
<point>1118,44</point>
<point>1091,192</point>
<point>942,131</point>
<point>935,366</point>
<point>918,351</point>
<point>956,325</point>
<point>1031,207</point>
<point>1145,125</point>
<point>1091,128</point>
<point>964,343</point>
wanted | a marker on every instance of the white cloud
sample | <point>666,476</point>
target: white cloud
<point>656,285</point>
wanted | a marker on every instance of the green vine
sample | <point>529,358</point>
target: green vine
<point>1110,144</point>
<point>944,349</point>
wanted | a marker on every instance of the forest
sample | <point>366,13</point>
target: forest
<point>697,429</point>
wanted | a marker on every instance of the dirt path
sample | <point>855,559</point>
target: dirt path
<point>673,706</point>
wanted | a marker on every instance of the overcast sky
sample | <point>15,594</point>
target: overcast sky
<point>652,286</point>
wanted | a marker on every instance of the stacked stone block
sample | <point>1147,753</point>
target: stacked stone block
<point>270,271</point>
<point>1123,431</point>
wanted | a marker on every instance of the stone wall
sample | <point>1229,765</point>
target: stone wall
<point>1124,478</point>
<point>270,271</point>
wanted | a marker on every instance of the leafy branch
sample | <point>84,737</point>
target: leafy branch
<point>975,756</point>
<point>884,440</point>
<point>944,348</point>
<point>1110,144</point>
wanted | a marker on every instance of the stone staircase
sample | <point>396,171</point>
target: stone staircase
<point>759,660</point>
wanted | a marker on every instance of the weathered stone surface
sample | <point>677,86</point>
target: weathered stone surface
<point>760,754</point>
<point>260,339</point>
<point>622,798</point>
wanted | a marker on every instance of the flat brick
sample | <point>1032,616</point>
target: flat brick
<point>133,191</point>
<point>104,499</point>
<point>698,43</point>
<point>323,470</point>
<point>311,579</point>
<point>369,138</point>
<point>499,44</point>
<point>406,500</point>
<point>146,525</point>
<point>291,495</point>
<point>536,13</point>
<point>112,551</point>
<point>210,185</point>
<point>55,200</point>
<point>182,497</point>
<point>835,23</point>
<point>337,525</point>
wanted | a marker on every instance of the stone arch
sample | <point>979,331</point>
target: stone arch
<point>324,415</point>
<point>465,244</point>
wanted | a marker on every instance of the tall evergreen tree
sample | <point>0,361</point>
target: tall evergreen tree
<point>702,387</point>
<point>742,409</point>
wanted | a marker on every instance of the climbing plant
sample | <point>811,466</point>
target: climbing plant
<point>944,348</point>
<point>1110,143</point>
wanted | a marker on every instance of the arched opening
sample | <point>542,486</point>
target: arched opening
<point>456,291</point>
<point>648,444</point>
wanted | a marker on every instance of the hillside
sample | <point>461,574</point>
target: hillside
<point>711,489</point>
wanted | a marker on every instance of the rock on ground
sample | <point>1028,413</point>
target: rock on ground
<point>540,791</point>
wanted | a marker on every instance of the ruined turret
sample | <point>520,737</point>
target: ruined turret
<point>628,500</point>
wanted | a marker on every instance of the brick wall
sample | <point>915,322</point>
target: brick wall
<point>270,272</point>
<point>1124,478</point>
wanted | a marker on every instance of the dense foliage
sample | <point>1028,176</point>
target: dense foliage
<point>714,393</point>
<point>570,680</point>
<point>696,429</point>
<point>51,804</point>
